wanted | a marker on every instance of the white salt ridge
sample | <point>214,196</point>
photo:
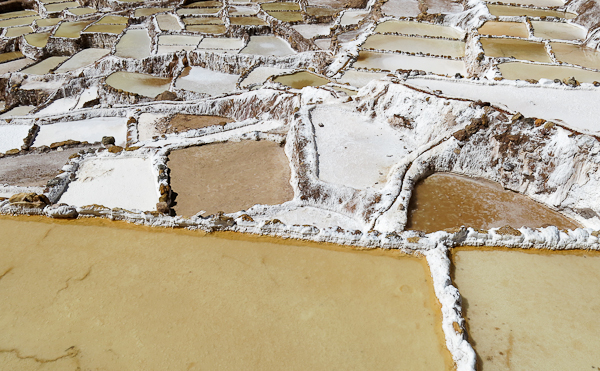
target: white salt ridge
<point>576,108</point>
<point>82,59</point>
<point>203,80</point>
<point>87,95</point>
<point>319,218</point>
<point>11,136</point>
<point>59,106</point>
<point>268,45</point>
<point>91,130</point>
<point>108,182</point>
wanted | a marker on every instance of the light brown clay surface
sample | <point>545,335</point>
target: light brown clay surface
<point>87,295</point>
<point>229,177</point>
<point>181,122</point>
<point>531,311</point>
<point>446,201</point>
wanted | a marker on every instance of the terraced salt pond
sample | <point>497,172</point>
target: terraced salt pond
<point>576,54</point>
<point>82,59</point>
<point>519,49</point>
<point>516,29</point>
<point>45,66</point>
<point>451,48</point>
<point>71,30</point>
<point>301,79</point>
<point>447,201</point>
<point>134,44</point>
<point>517,11</point>
<point>203,80</point>
<point>229,177</point>
<point>393,62</point>
<point>531,311</point>
<point>524,71</point>
<point>165,299</point>
<point>267,45</point>
<point>139,83</point>
<point>556,30</point>
<point>418,28</point>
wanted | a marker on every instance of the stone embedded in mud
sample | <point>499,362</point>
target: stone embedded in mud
<point>108,141</point>
<point>69,142</point>
<point>163,207</point>
<point>29,200</point>
<point>507,230</point>
<point>62,211</point>
<point>14,151</point>
<point>166,95</point>
<point>115,149</point>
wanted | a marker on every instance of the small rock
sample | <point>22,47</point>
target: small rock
<point>458,76</point>
<point>108,141</point>
<point>166,95</point>
<point>507,230</point>
<point>557,81</point>
<point>539,122</point>
<point>14,151</point>
<point>572,82</point>
<point>517,116</point>
<point>91,103</point>
<point>163,207</point>
<point>115,149</point>
<point>508,166</point>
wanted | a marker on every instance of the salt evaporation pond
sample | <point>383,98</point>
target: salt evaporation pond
<point>299,80</point>
<point>494,28</point>
<point>524,71</point>
<point>260,74</point>
<point>168,22</point>
<point>518,49</point>
<point>267,45</point>
<point>517,11</point>
<point>451,48</point>
<point>139,83</point>
<point>145,12</point>
<point>576,54</point>
<point>531,311</point>
<point>229,177</point>
<point>539,3</point>
<point>90,130</point>
<point>418,28</point>
<point>203,80</point>
<point>11,136</point>
<point>393,62</point>
<point>443,201</point>
<point>37,39</point>
<point>164,299</point>
<point>134,44</point>
<point>557,30</point>
<point>355,151</point>
<point>45,66</point>
<point>71,30</point>
<point>82,59</point>
<point>107,182</point>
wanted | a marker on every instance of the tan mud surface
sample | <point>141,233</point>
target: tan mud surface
<point>229,177</point>
<point>34,169</point>
<point>531,311</point>
<point>443,201</point>
<point>86,295</point>
<point>181,122</point>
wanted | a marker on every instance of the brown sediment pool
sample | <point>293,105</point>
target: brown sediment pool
<point>510,11</point>
<point>286,16</point>
<point>524,71</point>
<point>531,310</point>
<point>519,49</point>
<point>45,66</point>
<point>576,54</point>
<point>181,122</point>
<point>96,294</point>
<point>299,80</point>
<point>444,200</point>
<point>10,56</point>
<point>138,83</point>
<point>247,21</point>
<point>37,39</point>
<point>229,177</point>
<point>516,29</point>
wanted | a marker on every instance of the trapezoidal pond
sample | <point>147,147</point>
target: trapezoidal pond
<point>94,294</point>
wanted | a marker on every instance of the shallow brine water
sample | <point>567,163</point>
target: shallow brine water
<point>531,311</point>
<point>139,83</point>
<point>134,44</point>
<point>71,30</point>
<point>445,201</point>
<point>510,11</point>
<point>519,49</point>
<point>96,296</point>
<point>576,54</point>
<point>301,79</point>
<point>392,62</point>
<point>417,28</point>
<point>556,30</point>
<point>524,71</point>
<point>451,48</point>
<point>516,29</point>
